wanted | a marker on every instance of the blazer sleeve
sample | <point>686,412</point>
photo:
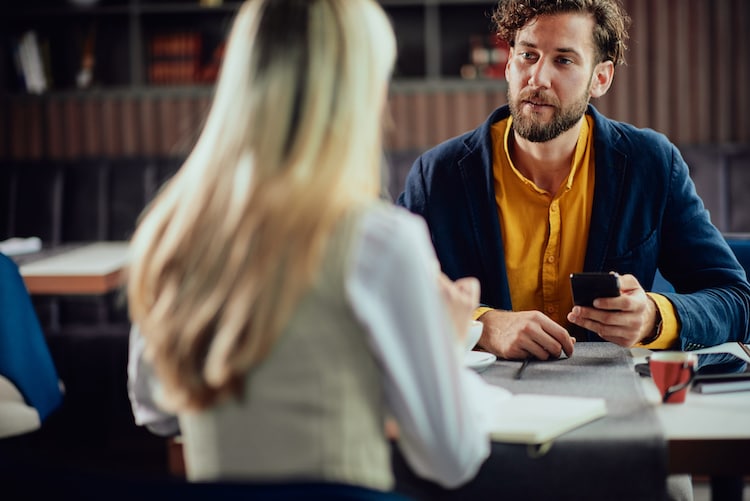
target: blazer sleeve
<point>712,298</point>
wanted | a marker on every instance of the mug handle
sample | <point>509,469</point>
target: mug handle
<point>677,387</point>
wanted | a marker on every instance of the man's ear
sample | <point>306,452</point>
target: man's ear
<point>601,80</point>
<point>507,63</point>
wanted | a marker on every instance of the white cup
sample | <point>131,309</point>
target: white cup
<point>473,334</point>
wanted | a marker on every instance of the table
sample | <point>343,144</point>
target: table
<point>598,460</point>
<point>75,269</point>
<point>626,455</point>
<point>93,268</point>
<point>707,435</point>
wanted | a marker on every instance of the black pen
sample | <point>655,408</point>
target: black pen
<point>744,348</point>
<point>520,370</point>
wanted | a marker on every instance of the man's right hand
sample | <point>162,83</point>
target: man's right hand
<point>518,335</point>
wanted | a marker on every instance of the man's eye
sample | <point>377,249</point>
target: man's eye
<point>565,61</point>
<point>528,55</point>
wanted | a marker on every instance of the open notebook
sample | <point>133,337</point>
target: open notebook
<point>534,419</point>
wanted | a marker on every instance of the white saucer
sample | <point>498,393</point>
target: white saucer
<point>479,360</point>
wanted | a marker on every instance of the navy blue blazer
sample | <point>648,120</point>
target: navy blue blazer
<point>645,215</point>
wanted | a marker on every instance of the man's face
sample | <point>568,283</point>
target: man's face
<point>550,73</point>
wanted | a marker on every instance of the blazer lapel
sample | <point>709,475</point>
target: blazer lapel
<point>608,190</point>
<point>478,185</point>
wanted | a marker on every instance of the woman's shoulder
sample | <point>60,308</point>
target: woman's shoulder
<point>385,230</point>
<point>384,219</point>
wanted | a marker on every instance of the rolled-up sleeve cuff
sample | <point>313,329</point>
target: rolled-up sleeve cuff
<point>670,326</point>
<point>481,311</point>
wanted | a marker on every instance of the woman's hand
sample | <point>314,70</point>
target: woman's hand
<point>461,297</point>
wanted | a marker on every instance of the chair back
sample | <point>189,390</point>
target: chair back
<point>740,245</point>
<point>25,359</point>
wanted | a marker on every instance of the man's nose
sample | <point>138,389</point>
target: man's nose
<point>541,73</point>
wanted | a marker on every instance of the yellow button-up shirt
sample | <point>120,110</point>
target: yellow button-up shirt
<point>545,235</point>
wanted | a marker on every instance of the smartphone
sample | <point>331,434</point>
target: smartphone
<point>591,285</point>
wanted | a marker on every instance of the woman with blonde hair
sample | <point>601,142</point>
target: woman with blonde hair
<point>285,311</point>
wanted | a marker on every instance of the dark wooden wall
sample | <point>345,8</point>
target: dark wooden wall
<point>687,75</point>
<point>688,71</point>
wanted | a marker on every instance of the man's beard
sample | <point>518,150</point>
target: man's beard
<point>531,129</point>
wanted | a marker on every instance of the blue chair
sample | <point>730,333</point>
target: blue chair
<point>26,366</point>
<point>738,242</point>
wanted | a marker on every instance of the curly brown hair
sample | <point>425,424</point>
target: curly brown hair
<point>610,30</point>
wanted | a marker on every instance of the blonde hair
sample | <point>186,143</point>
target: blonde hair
<point>292,141</point>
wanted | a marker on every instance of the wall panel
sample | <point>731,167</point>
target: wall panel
<point>687,71</point>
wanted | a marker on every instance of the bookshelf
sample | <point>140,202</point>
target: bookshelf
<point>436,37</point>
<point>149,58</point>
<point>120,37</point>
<point>110,143</point>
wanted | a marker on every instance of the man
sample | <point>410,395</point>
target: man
<point>547,186</point>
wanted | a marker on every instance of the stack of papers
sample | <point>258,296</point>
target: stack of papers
<point>726,382</point>
<point>17,246</point>
<point>735,348</point>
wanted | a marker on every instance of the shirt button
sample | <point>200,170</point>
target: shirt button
<point>551,309</point>
<point>553,207</point>
<point>550,259</point>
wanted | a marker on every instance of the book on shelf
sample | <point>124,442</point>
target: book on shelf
<point>129,111</point>
<point>27,56</point>
<point>25,131</point>
<point>73,125</point>
<point>91,127</point>
<point>55,146</point>
<point>178,58</point>
<point>34,129</point>
<point>18,144</point>
<point>175,58</point>
<point>111,123</point>
<point>536,419</point>
<point>167,120</point>
<point>148,130</point>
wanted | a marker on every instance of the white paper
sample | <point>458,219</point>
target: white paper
<point>17,246</point>
<point>733,348</point>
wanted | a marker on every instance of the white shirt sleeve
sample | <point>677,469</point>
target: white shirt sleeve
<point>440,405</point>
<point>143,388</point>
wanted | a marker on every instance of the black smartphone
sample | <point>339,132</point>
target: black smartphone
<point>588,286</point>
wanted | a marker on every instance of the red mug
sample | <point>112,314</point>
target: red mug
<point>672,372</point>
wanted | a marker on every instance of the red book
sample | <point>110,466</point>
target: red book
<point>92,128</point>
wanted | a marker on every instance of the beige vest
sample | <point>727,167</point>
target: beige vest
<point>313,410</point>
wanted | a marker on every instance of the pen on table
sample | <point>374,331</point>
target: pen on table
<point>520,370</point>
<point>744,347</point>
